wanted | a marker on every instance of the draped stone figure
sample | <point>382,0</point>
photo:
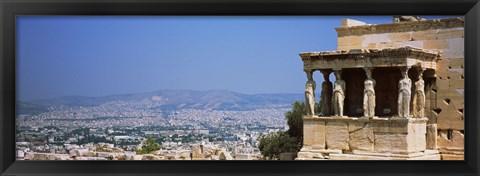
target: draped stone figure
<point>404,95</point>
<point>419,98</point>
<point>397,19</point>
<point>326,95</point>
<point>369,95</point>
<point>338,94</point>
<point>310,95</point>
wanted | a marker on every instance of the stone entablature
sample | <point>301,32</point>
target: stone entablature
<point>406,26</point>
<point>357,58</point>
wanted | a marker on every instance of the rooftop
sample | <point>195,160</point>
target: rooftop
<point>372,53</point>
<point>354,27</point>
<point>360,58</point>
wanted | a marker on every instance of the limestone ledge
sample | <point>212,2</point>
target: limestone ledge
<point>334,151</point>
<point>365,157</point>
<point>306,154</point>
<point>376,52</point>
<point>401,27</point>
<point>363,119</point>
<point>452,157</point>
<point>359,58</point>
<point>394,154</point>
<point>406,51</point>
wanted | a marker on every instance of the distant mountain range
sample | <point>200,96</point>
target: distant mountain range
<point>175,99</point>
<point>30,108</point>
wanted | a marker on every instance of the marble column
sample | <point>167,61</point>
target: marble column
<point>339,89</point>
<point>326,94</point>
<point>404,94</point>
<point>369,94</point>
<point>419,96</point>
<point>310,93</point>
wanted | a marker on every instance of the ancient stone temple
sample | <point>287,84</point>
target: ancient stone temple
<point>398,92</point>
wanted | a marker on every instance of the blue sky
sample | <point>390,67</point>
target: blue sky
<point>105,55</point>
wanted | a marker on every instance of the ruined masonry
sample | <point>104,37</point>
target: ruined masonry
<point>398,93</point>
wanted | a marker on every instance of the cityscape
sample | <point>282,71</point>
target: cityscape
<point>116,129</point>
<point>102,87</point>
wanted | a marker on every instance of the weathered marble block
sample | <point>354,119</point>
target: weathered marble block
<point>388,142</point>
<point>316,134</point>
<point>361,136</point>
<point>406,135</point>
<point>432,136</point>
<point>337,136</point>
<point>390,126</point>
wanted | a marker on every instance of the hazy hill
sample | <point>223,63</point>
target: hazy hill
<point>176,99</point>
<point>29,108</point>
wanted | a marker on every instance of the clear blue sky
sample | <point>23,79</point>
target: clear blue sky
<point>105,55</point>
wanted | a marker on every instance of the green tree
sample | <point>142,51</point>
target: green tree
<point>295,120</point>
<point>149,147</point>
<point>273,144</point>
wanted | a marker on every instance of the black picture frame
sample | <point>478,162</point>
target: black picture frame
<point>9,9</point>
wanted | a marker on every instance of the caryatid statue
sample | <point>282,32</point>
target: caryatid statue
<point>338,94</point>
<point>419,97</point>
<point>326,94</point>
<point>369,95</point>
<point>310,94</point>
<point>404,94</point>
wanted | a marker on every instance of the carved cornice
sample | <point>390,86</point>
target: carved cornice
<point>401,27</point>
<point>407,51</point>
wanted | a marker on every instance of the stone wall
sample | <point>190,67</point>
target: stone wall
<point>365,138</point>
<point>446,100</point>
<point>378,134</point>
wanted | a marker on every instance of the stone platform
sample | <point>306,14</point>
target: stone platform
<point>351,138</point>
<point>366,155</point>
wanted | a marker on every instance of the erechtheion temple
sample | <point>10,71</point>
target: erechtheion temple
<point>398,92</point>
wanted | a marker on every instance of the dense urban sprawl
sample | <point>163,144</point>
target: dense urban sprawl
<point>115,130</point>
